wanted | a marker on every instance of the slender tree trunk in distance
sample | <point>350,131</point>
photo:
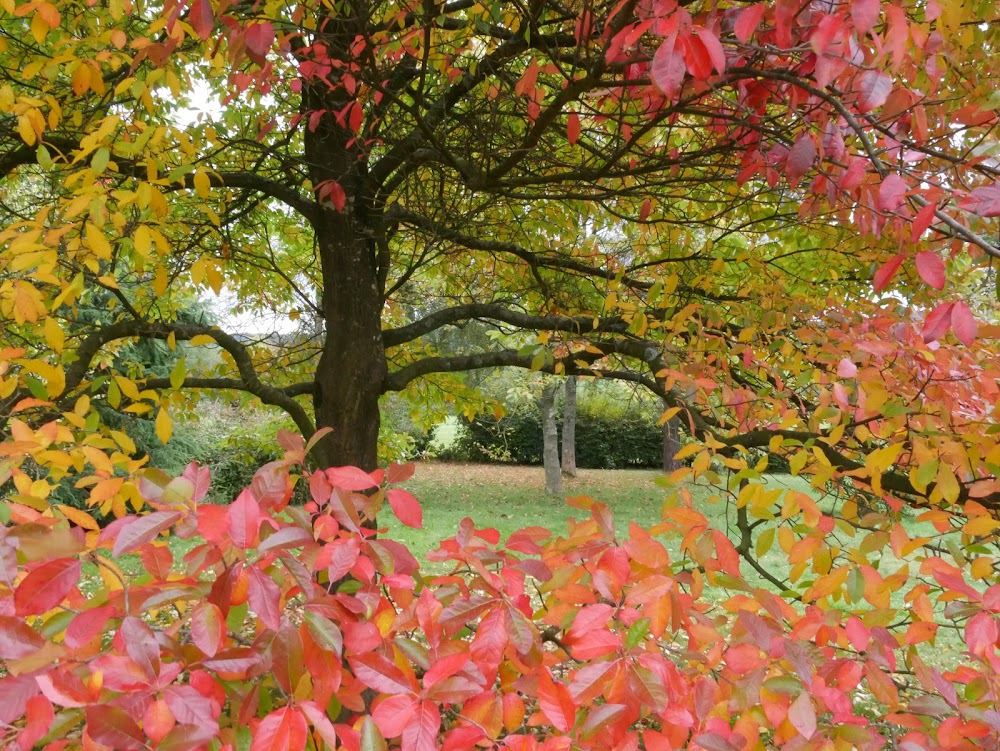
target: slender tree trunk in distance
<point>569,429</point>
<point>671,444</point>
<point>550,439</point>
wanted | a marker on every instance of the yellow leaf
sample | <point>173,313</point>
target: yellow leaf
<point>164,425</point>
<point>26,130</point>
<point>202,184</point>
<point>201,339</point>
<point>980,526</point>
<point>78,517</point>
<point>54,335</point>
<point>177,374</point>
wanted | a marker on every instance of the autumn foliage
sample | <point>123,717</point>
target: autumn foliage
<point>289,627</point>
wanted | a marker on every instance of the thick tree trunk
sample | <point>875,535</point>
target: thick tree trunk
<point>550,439</point>
<point>569,429</point>
<point>350,375</point>
<point>671,444</point>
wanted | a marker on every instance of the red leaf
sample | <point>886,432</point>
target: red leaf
<point>202,18</point>
<point>667,69</point>
<point>286,537</point>
<point>157,720</point>
<point>937,322</point>
<point>141,645</point>
<point>802,715</point>
<point>14,695</point>
<point>981,634</point>
<point>556,703</point>
<point>887,271</point>
<point>142,529</point>
<point>931,269</point>
<point>338,557</point>
<point>923,220</point>
<point>87,625</point>
<point>157,560</point>
<point>891,193</point>
<point>406,507</point>
<point>963,323</point>
<point>350,478</point>
<point>490,642</point>
<point>284,729</point>
<point>573,127</point>
<point>46,586</point>
<point>800,158</point>
<point>393,714</point>
<point>111,726</point>
<point>207,628</point>
<point>258,38</point>
<point>422,733</point>
<point>748,22</point>
<point>244,520</point>
<point>699,63</point>
<point>983,201</point>
<point>264,597</point>
<point>865,14</point>
<point>17,639</point>
<point>376,672</point>
<point>714,48</point>
<point>874,88</point>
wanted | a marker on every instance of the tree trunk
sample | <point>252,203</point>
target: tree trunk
<point>671,444</point>
<point>350,375</point>
<point>550,439</point>
<point>569,429</point>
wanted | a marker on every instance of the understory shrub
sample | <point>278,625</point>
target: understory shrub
<point>603,440</point>
<point>291,628</point>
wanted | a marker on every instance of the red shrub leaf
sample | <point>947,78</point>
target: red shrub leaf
<point>931,269</point>
<point>139,530</point>
<point>406,507</point>
<point>46,586</point>
<point>285,729</point>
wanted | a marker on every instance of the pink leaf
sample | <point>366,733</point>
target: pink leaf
<point>46,586</point>
<point>874,88</point>
<point>931,269</point>
<point>963,323</point>
<point>18,639</point>
<point>800,158</point>
<point>284,729</point>
<point>202,18</point>
<point>376,672</point>
<point>887,271</point>
<point>141,529</point>
<point>265,598</point>
<point>422,733</point>
<point>258,38</point>
<point>141,645</point>
<point>846,368</point>
<point>87,625</point>
<point>393,714</point>
<point>244,520</point>
<point>983,201</point>
<point>748,22</point>
<point>981,634</point>
<point>891,193</point>
<point>406,507</point>
<point>111,726</point>
<point>207,628</point>
<point>802,715</point>
<point>865,14</point>
<point>937,322</point>
<point>668,68</point>
<point>350,478</point>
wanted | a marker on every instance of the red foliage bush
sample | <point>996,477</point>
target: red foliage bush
<point>297,627</point>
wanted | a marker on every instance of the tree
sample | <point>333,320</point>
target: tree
<point>568,443</point>
<point>725,159</point>
<point>550,437</point>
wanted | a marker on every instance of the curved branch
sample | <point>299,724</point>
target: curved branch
<point>91,345</point>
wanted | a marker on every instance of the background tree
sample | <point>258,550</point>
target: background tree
<point>568,443</point>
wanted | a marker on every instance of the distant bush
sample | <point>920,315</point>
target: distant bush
<point>603,440</point>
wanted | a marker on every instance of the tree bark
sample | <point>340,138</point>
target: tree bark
<point>550,439</point>
<point>352,367</point>
<point>671,444</point>
<point>569,429</point>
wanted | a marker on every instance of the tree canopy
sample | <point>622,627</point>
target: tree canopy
<point>778,217</point>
